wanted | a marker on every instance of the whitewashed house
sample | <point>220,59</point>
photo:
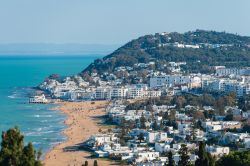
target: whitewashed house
<point>146,156</point>
<point>217,151</point>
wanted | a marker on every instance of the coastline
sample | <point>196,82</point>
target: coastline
<point>83,120</point>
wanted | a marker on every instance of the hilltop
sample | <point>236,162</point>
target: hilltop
<point>200,49</point>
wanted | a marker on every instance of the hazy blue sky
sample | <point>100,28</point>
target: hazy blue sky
<point>115,21</point>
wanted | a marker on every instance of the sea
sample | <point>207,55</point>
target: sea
<point>18,74</point>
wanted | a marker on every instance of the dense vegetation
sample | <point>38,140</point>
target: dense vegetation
<point>238,158</point>
<point>234,52</point>
<point>14,153</point>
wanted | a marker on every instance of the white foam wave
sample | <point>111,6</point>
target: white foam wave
<point>36,143</point>
<point>38,133</point>
<point>12,96</point>
<point>42,116</point>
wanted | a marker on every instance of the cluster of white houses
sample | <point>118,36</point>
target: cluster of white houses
<point>148,146</point>
<point>69,90</point>
<point>108,146</point>
<point>222,71</point>
<point>75,88</point>
<point>241,88</point>
<point>224,80</point>
<point>193,46</point>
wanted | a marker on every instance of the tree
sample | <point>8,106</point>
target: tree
<point>142,122</point>
<point>122,136</point>
<point>12,147</point>
<point>14,153</point>
<point>179,101</point>
<point>184,157</point>
<point>155,125</point>
<point>238,158</point>
<point>95,163</point>
<point>229,117</point>
<point>171,115</point>
<point>141,137</point>
<point>205,159</point>
<point>220,104</point>
<point>109,130</point>
<point>161,124</point>
<point>29,156</point>
<point>197,115</point>
<point>193,134</point>
<point>202,160</point>
<point>170,159</point>
<point>230,99</point>
<point>211,159</point>
<point>100,130</point>
<point>149,108</point>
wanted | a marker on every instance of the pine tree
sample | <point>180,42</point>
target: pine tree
<point>29,156</point>
<point>170,159</point>
<point>13,152</point>
<point>142,122</point>
<point>184,158</point>
<point>211,159</point>
<point>205,159</point>
<point>202,160</point>
<point>12,147</point>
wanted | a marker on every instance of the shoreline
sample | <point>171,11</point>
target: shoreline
<point>83,119</point>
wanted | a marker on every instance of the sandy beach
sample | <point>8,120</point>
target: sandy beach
<point>83,120</point>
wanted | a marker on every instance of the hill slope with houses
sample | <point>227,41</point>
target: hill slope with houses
<point>200,49</point>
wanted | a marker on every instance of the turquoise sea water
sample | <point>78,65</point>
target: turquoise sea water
<point>17,74</point>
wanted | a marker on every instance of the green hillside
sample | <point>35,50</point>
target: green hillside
<point>215,48</point>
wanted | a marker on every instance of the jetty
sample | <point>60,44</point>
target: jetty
<point>41,99</point>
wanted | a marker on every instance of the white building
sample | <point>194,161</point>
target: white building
<point>38,99</point>
<point>152,93</point>
<point>212,125</point>
<point>239,88</point>
<point>100,139</point>
<point>246,141</point>
<point>136,91</point>
<point>219,125</point>
<point>214,84</point>
<point>132,92</point>
<point>102,93</point>
<point>217,151</point>
<point>162,147</point>
<point>147,156</point>
<point>119,92</point>
<point>246,115</point>
<point>152,137</point>
<point>223,71</point>
<point>173,80</point>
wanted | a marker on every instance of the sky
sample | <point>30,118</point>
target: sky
<point>115,21</point>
